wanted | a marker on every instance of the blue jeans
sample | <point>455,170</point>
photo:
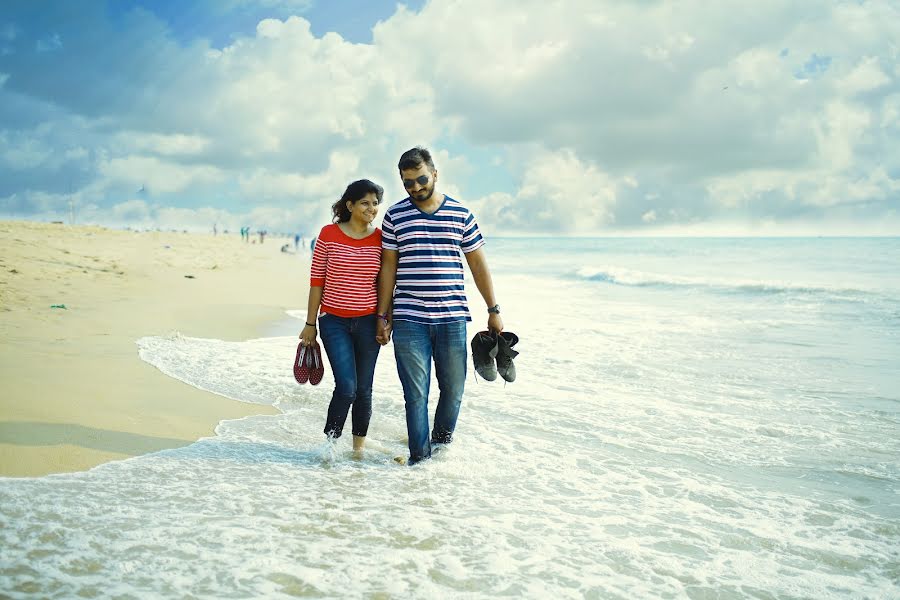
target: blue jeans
<point>415,345</point>
<point>352,351</point>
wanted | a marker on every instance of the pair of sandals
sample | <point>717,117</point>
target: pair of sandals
<point>493,354</point>
<point>308,365</point>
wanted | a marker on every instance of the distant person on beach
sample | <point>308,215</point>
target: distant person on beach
<point>296,242</point>
<point>421,297</point>
<point>343,293</point>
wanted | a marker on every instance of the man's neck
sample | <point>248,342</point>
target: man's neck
<point>432,204</point>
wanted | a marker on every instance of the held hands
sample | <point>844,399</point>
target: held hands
<point>308,336</point>
<point>383,332</point>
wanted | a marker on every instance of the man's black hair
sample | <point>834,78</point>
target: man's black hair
<point>415,158</point>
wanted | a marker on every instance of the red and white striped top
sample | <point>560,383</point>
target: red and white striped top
<point>347,270</point>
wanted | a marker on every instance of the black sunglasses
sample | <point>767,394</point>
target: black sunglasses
<point>421,180</point>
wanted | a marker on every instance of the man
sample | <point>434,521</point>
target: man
<point>423,237</point>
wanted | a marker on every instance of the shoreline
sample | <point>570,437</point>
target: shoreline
<point>75,393</point>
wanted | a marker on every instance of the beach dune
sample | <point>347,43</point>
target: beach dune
<point>73,301</point>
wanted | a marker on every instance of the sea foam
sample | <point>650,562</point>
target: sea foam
<point>660,441</point>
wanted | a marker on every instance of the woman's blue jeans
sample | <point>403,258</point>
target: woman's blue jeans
<point>415,345</point>
<point>352,351</point>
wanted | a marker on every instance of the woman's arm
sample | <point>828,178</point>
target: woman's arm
<point>308,335</point>
<point>317,270</point>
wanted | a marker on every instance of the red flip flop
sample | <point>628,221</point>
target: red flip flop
<point>317,368</point>
<point>301,368</point>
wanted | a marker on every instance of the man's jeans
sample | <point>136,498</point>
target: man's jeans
<point>352,351</point>
<point>415,344</point>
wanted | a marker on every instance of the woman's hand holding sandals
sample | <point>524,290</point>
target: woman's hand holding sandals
<point>308,335</point>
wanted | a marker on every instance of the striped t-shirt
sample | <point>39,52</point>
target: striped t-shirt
<point>430,277</point>
<point>346,269</point>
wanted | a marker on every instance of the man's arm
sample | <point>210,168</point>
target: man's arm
<point>482,276</point>
<point>387,279</point>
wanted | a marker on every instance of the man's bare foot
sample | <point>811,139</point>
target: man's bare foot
<point>359,442</point>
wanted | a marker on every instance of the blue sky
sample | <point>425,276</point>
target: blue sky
<point>578,118</point>
<point>221,22</point>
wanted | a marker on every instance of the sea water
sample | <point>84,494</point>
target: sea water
<point>692,418</point>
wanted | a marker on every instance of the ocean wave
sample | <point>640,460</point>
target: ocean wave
<point>633,278</point>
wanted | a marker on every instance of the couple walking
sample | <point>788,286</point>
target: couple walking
<point>404,281</point>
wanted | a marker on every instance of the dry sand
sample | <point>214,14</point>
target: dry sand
<point>74,392</point>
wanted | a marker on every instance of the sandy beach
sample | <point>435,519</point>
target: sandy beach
<point>74,392</point>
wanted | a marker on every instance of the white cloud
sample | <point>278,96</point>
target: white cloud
<point>451,170</point>
<point>674,44</point>
<point>131,212</point>
<point>664,94</point>
<point>840,129</point>
<point>866,76</point>
<point>758,68</point>
<point>559,192</point>
<point>492,211</point>
<point>158,175</point>
<point>890,112</point>
<point>42,201</point>
<point>287,87</point>
<point>22,152</point>
<point>602,120</point>
<point>264,184</point>
<point>169,145</point>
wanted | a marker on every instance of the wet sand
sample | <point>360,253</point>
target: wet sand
<point>74,393</point>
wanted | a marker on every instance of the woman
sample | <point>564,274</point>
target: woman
<point>342,287</point>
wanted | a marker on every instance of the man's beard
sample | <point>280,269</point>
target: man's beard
<point>426,198</point>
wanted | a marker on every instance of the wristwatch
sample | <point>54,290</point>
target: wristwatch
<point>495,309</point>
